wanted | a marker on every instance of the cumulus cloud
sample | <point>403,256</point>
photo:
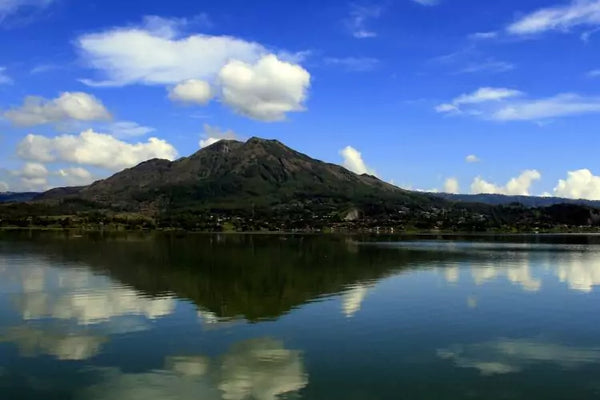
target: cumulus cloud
<point>92,148</point>
<point>472,158</point>
<point>360,15</point>
<point>212,134</point>
<point>578,13</point>
<point>192,91</point>
<point>77,106</point>
<point>354,162</point>
<point>245,75</point>
<point>266,90</point>
<point>354,64</point>
<point>158,54</point>
<point>451,185</point>
<point>3,187</point>
<point>579,184</point>
<point>33,176</point>
<point>518,186</point>
<point>76,176</point>
<point>501,104</point>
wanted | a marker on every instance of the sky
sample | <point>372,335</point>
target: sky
<point>462,96</point>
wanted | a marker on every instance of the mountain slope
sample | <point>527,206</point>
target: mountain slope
<point>236,175</point>
<point>528,201</point>
<point>10,197</point>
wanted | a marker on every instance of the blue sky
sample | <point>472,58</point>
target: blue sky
<point>404,89</point>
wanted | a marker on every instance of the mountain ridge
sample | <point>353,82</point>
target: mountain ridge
<point>248,169</point>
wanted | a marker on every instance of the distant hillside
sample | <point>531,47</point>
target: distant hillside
<point>9,197</point>
<point>528,201</point>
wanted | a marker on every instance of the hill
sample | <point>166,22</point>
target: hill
<point>234,175</point>
<point>528,201</point>
<point>10,197</point>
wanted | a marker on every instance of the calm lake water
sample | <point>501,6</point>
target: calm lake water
<point>298,317</point>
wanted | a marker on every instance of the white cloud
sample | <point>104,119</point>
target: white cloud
<point>354,162</point>
<point>451,185</point>
<point>192,91</point>
<point>212,134</point>
<point>490,65</point>
<point>157,54</point>
<point>558,106</point>
<point>92,148</point>
<point>354,64</point>
<point>245,75</point>
<point>484,35</point>
<point>3,187</point>
<point>426,2</point>
<point>33,177</point>
<point>10,7</point>
<point>486,94</point>
<point>580,184</point>
<point>472,158</point>
<point>518,186</point>
<point>128,129</point>
<point>359,16</point>
<point>501,104</point>
<point>76,176</point>
<point>481,95</point>
<point>266,90</point>
<point>77,106</point>
<point>4,78</point>
<point>558,18</point>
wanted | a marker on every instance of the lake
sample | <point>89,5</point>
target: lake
<point>236,317</point>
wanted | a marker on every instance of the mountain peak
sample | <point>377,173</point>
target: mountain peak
<point>258,140</point>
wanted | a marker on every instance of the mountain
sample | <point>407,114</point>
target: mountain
<point>10,197</point>
<point>236,175</point>
<point>528,201</point>
<point>263,185</point>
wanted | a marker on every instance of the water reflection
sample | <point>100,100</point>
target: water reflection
<point>504,356</point>
<point>56,342</point>
<point>352,299</point>
<point>40,290</point>
<point>249,277</point>
<point>251,317</point>
<point>261,369</point>
<point>579,269</point>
